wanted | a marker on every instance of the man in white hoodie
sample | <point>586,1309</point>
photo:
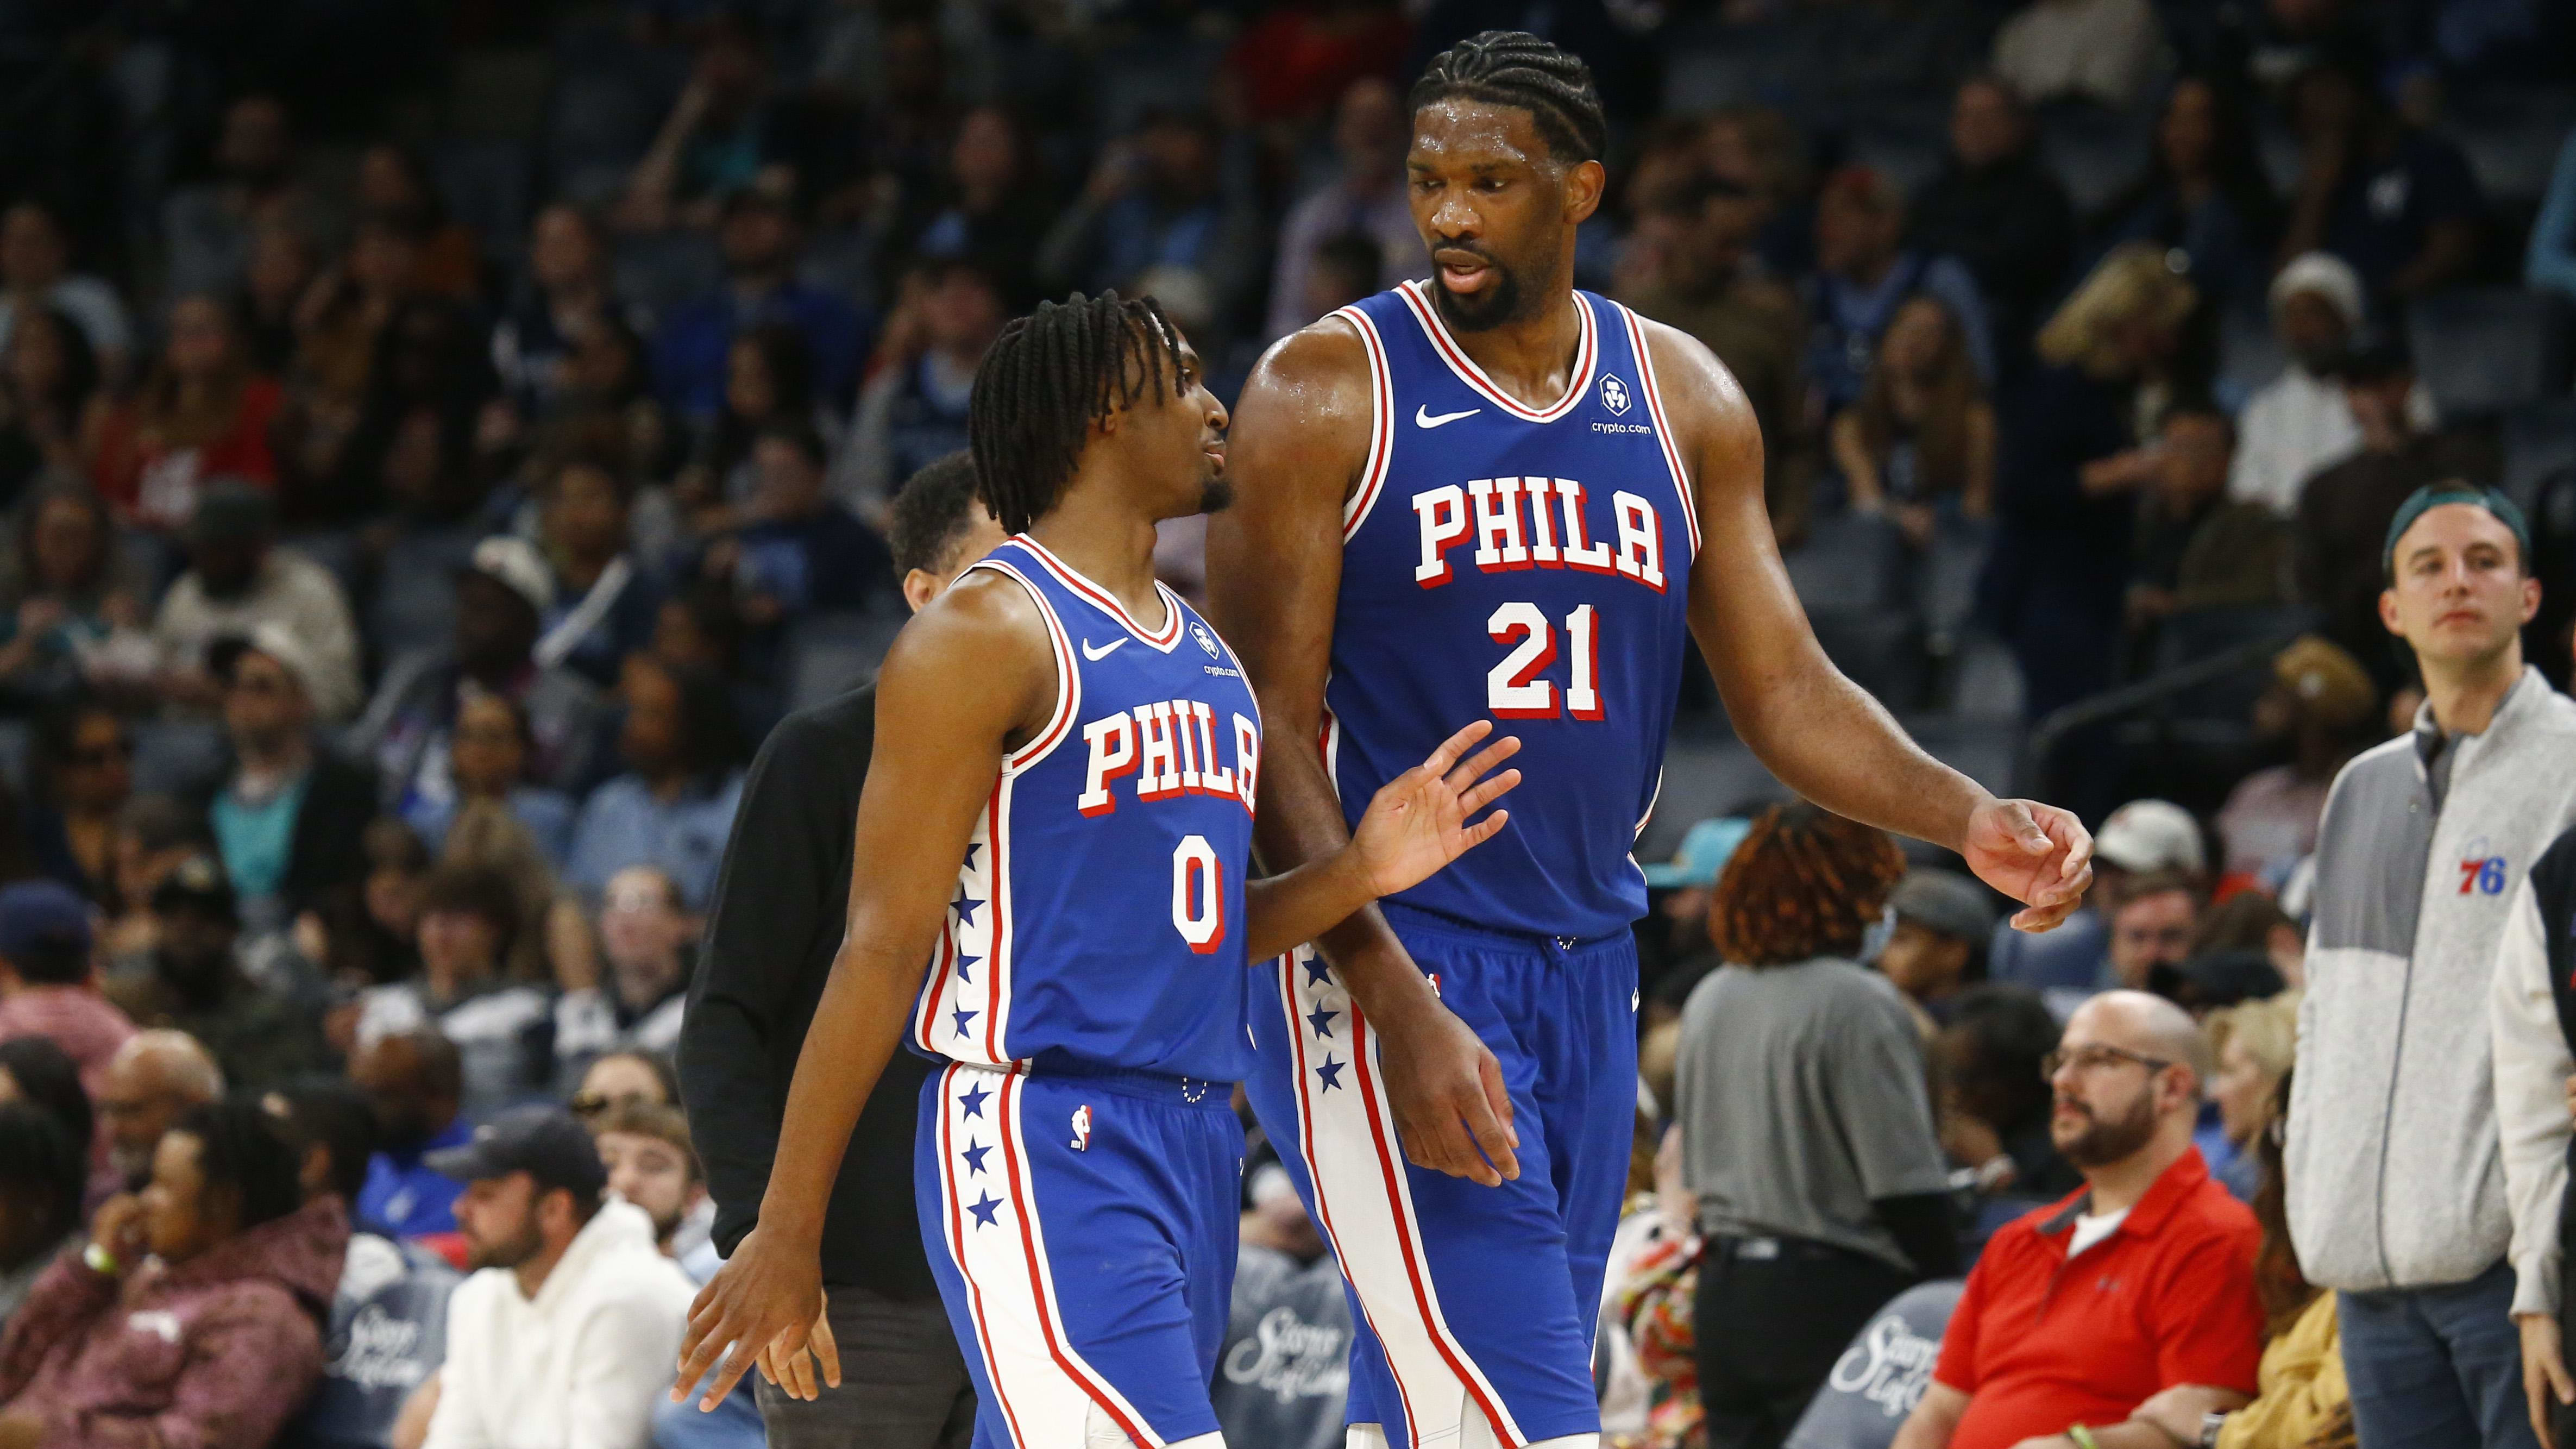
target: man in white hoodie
<point>565,1336</point>
<point>2299,422</point>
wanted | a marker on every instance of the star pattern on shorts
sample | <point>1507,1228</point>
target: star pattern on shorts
<point>975,1154</point>
<point>966,964</point>
<point>965,906</point>
<point>970,855</point>
<point>962,1015</point>
<point>974,1100</point>
<point>984,1210</point>
<point>1322,1021</point>
<point>1317,973</point>
<point>1330,1072</point>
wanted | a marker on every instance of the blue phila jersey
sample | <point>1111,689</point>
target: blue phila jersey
<point>1098,915</point>
<point>1528,565</point>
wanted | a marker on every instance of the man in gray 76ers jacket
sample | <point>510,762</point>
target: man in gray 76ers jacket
<point>2396,1186</point>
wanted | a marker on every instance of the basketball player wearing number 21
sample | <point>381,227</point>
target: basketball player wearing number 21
<point>1052,901</point>
<point>1490,494</point>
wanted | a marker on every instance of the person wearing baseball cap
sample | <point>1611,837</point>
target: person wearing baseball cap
<point>238,580</point>
<point>1944,921</point>
<point>2299,422</point>
<point>502,593</point>
<point>2423,854</point>
<point>2322,704</point>
<point>2345,509</point>
<point>2144,837</point>
<point>263,1035</point>
<point>572,1318</point>
<point>44,977</point>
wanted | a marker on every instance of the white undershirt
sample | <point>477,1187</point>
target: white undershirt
<point>2090,1230</point>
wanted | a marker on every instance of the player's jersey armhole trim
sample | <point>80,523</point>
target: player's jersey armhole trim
<point>1587,358</point>
<point>1381,448</point>
<point>1068,688</point>
<point>1663,428</point>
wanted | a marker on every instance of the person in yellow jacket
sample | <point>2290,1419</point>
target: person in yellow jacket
<point>2302,1400</point>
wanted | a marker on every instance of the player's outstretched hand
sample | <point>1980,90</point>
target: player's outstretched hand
<point>762,1304</point>
<point>1418,823</point>
<point>2037,854</point>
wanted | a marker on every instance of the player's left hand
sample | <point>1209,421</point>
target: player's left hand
<point>1418,823</point>
<point>2037,854</point>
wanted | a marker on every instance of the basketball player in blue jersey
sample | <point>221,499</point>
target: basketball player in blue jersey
<point>1057,823</point>
<point>1483,495</point>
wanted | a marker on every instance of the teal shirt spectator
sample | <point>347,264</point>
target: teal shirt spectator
<point>258,838</point>
<point>2552,263</point>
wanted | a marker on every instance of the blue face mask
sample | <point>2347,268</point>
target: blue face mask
<point>1875,937</point>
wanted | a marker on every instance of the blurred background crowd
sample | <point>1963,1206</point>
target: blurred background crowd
<point>438,441</point>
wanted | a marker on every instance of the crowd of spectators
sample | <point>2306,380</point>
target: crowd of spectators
<point>403,556</point>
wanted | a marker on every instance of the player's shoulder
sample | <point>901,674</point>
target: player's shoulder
<point>1322,363</point>
<point>1686,369</point>
<point>987,616</point>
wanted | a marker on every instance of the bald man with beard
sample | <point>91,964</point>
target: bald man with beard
<point>2141,1282</point>
<point>150,1083</point>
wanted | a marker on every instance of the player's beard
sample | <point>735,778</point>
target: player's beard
<point>1492,305</point>
<point>1216,495</point>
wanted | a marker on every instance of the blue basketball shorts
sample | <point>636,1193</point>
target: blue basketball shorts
<point>1082,1230</point>
<point>1470,1302</point>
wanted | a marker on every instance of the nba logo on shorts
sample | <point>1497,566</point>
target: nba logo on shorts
<point>1082,1128</point>
<point>1614,395</point>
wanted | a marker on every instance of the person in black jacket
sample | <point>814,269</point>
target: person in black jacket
<point>290,811</point>
<point>779,910</point>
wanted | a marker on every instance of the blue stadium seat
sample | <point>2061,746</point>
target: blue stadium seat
<point>1850,562</point>
<point>2487,350</point>
<point>1701,778</point>
<point>17,748</point>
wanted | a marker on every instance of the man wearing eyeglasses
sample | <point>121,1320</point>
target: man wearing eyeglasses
<point>2142,1282</point>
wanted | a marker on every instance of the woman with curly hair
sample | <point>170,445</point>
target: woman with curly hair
<point>1806,1124</point>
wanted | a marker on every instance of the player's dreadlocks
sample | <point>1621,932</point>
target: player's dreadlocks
<point>1516,68</point>
<point>1047,379</point>
<point>1805,882</point>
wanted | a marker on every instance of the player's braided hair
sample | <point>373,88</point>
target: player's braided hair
<point>1047,379</point>
<point>1516,68</point>
<point>1805,882</point>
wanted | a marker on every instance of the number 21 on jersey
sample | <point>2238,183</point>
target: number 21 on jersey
<point>1515,688</point>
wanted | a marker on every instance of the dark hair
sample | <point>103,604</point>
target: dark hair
<point>389,842</point>
<point>327,1113</point>
<point>933,511</point>
<point>2244,921</point>
<point>38,1153</point>
<point>2197,405</point>
<point>2008,1032</point>
<point>80,361</point>
<point>102,522</point>
<point>1515,68</point>
<point>2235,163</point>
<point>2278,1279</point>
<point>710,607</point>
<point>241,1149</point>
<point>711,734</point>
<point>1805,882</point>
<point>47,1076</point>
<point>480,891</point>
<point>429,211</point>
<point>799,434</point>
<point>1941,435</point>
<point>1047,379</point>
<point>1356,256</point>
<point>664,1122</point>
<point>441,1064</point>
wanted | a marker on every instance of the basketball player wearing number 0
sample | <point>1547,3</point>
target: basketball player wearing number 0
<point>1492,495</point>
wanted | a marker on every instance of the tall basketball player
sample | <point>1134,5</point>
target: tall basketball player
<point>1490,494</point>
<point>1058,822</point>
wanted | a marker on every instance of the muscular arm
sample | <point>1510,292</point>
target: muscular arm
<point>942,730</point>
<point>1823,735</point>
<point>1299,440</point>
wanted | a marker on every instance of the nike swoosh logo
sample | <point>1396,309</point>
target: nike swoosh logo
<point>1425,418</point>
<point>1103,652</point>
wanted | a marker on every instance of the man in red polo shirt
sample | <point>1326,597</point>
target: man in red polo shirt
<point>2081,1311</point>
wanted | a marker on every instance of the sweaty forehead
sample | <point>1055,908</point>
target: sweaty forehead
<point>1458,131</point>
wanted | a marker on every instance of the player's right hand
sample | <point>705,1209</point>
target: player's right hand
<point>1452,1112</point>
<point>764,1302</point>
